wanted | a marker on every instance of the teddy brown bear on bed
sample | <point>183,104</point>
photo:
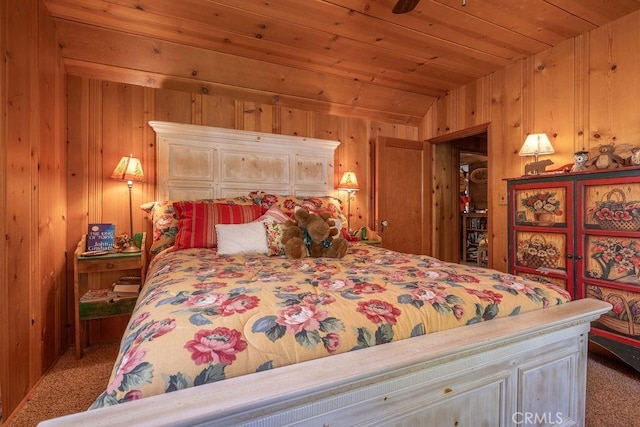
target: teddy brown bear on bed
<point>311,234</point>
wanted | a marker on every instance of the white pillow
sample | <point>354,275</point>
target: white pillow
<point>250,238</point>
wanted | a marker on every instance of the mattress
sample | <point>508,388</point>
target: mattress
<point>203,317</point>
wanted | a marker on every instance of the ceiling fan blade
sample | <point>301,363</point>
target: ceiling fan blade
<point>404,6</point>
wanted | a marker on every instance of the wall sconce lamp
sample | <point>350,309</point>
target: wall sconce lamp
<point>349,183</point>
<point>534,145</point>
<point>129,169</point>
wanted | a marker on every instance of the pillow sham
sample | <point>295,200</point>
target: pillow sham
<point>274,238</point>
<point>197,220</point>
<point>274,214</point>
<point>165,222</point>
<point>247,238</point>
<point>288,204</point>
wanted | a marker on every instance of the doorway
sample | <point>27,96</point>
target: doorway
<point>449,153</point>
<point>473,238</point>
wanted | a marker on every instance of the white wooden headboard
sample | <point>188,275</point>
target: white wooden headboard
<point>203,162</point>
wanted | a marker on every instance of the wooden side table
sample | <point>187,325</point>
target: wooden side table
<point>84,266</point>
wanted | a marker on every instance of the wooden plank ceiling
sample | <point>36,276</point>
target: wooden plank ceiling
<point>348,57</point>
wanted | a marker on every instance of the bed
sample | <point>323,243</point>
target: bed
<point>228,331</point>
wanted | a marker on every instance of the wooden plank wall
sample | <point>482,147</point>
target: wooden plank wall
<point>108,120</point>
<point>4,290</point>
<point>582,93</point>
<point>33,284</point>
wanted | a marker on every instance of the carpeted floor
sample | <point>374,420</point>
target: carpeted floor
<point>71,386</point>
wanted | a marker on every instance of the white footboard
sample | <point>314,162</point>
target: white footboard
<point>524,370</point>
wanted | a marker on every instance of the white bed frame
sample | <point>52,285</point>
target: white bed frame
<point>524,370</point>
<point>202,162</point>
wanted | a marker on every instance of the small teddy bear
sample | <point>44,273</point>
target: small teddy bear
<point>607,159</point>
<point>121,242</point>
<point>311,234</point>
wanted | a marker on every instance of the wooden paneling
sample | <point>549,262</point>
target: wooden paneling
<point>352,46</point>
<point>505,136</point>
<point>613,84</point>
<point>553,91</point>
<point>20,204</point>
<point>122,128</point>
<point>356,156</point>
<point>4,288</point>
<point>445,191</point>
<point>583,92</point>
<point>51,167</point>
<point>120,51</point>
<point>33,286</point>
<point>219,111</point>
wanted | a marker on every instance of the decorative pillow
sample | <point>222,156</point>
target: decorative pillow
<point>274,214</point>
<point>274,238</point>
<point>165,222</point>
<point>248,238</point>
<point>287,204</point>
<point>197,220</point>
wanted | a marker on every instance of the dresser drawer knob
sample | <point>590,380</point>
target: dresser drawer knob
<point>110,265</point>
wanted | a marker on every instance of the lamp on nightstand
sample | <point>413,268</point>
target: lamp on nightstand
<point>349,183</point>
<point>129,169</point>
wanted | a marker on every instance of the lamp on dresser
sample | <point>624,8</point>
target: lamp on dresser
<point>129,169</point>
<point>534,145</point>
<point>349,183</point>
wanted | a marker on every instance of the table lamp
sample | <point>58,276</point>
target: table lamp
<point>349,183</point>
<point>534,145</point>
<point>129,169</point>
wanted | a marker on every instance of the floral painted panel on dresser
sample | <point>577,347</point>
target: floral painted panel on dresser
<point>541,206</point>
<point>582,231</point>
<point>610,241</point>
<point>540,220</point>
<point>539,250</point>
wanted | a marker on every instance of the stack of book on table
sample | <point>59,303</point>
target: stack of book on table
<point>127,285</point>
<point>119,299</point>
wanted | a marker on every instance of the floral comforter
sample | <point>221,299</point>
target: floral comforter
<point>202,317</point>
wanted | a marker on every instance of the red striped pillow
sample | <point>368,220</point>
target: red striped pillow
<point>197,220</point>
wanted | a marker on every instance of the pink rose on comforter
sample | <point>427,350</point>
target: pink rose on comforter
<point>301,318</point>
<point>219,345</point>
<point>379,311</point>
<point>130,360</point>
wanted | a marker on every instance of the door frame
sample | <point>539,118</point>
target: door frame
<point>446,203</point>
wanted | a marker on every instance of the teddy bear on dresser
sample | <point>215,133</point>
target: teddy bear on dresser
<point>311,234</point>
<point>606,158</point>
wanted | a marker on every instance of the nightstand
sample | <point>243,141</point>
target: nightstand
<point>86,266</point>
<point>371,242</point>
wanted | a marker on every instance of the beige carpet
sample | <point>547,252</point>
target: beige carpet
<point>613,389</point>
<point>70,386</point>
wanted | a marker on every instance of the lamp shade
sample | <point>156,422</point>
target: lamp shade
<point>536,143</point>
<point>128,169</point>
<point>349,182</point>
